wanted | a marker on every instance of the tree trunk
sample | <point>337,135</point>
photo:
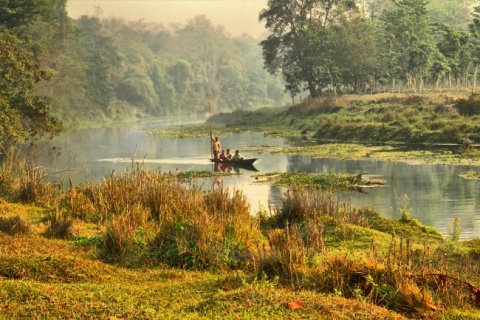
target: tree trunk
<point>474,80</point>
<point>313,91</point>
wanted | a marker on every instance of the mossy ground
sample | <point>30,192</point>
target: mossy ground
<point>44,278</point>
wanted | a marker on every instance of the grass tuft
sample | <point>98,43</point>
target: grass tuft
<point>13,225</point>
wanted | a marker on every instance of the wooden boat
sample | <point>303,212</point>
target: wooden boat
<point>242,162</point>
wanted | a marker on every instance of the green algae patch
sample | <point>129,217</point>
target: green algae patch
<point>326,181</point>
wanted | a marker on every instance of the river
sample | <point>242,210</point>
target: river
<point>437,194</point>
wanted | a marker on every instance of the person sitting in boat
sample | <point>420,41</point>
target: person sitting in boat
<point>237,156</point>
<point>223,156</point>
<point>216,147</point>
<point>229,155</point>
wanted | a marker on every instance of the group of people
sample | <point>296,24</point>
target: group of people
<point>220,154</point>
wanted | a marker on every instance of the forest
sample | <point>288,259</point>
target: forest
<point>97,69</point>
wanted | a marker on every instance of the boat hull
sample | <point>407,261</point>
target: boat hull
<point>242,162</point>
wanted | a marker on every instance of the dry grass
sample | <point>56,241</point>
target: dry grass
<point>145,219</point>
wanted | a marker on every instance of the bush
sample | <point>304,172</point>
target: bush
<point>13,225</point>
<point>470,106</point>
<point>59,226</point>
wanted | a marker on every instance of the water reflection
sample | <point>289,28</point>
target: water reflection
<point>437,194</point>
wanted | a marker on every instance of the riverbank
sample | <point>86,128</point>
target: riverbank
<point>141,244</point>
<point>428,129</point>
<point>382,118</point>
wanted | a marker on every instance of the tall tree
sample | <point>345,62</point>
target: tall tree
<point>293,24</point>
<point>20,13</point>
<point>410,38</point>
<point>474,28</point>
<point>454,46</point>
<point>22,112</point>
<point>357,54</point>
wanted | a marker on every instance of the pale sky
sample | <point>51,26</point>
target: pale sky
<point>237,16</point>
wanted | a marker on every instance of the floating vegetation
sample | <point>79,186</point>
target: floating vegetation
<point>190,131</point>
<point>194,131</point>
<point>393,153</point>
<point>475,175</point>
<point>330,181</point>
<point>196,174</point>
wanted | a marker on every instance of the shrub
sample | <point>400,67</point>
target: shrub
<point>470,106</point>
<point>59,225</point>
<point>13,225</point>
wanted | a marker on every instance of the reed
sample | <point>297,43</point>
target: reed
<point>187,226</point>
<point>311,204</point>
<point>21,179</point>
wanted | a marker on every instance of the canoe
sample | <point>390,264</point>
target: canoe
<point>241,162</point>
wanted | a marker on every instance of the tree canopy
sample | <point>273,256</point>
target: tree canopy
<point>352,46</point>
<point>23,112</point>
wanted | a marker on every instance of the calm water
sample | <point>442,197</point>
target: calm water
<point>437,194</point>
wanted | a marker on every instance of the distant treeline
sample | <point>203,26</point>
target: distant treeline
<point>94,69</point>
<point>113,69</point>
<point>370,46</point>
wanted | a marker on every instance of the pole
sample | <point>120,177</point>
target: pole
<point>211,133</point>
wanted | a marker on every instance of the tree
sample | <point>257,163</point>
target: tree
<point>357,53</point>
<point>164,89</point>
<point>410,38</point>
<point>292,46</point>
<point>22,112</point>
<point>20,13</point>
<point>454,46</point>
<point>474,28</point>
<point>137,89</point>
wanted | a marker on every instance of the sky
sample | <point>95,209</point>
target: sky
<point>236,16</point>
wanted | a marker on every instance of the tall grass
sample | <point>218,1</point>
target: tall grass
<point>187,227</point>
<point>21,178</point>
<point>404,274</point>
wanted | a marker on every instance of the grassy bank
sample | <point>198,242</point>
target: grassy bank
<point>141,244</point>
<point>378,118</point>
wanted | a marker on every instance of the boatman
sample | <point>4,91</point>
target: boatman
<point>216,147</point>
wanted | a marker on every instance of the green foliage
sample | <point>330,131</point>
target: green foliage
<point>22,112</point>
<point>20,13</point>
<point>300,45</point>
<point>455,230</point>
<point>404,210</point>
<point>410,40</point>
<point>470,106</point>
<point>112,69</point>
<point>137,89</point>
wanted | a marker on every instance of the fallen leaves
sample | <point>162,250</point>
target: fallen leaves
<point>294,305</point>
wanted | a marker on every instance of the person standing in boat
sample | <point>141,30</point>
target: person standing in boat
<point>237,156</point>
<point>216,147</point>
